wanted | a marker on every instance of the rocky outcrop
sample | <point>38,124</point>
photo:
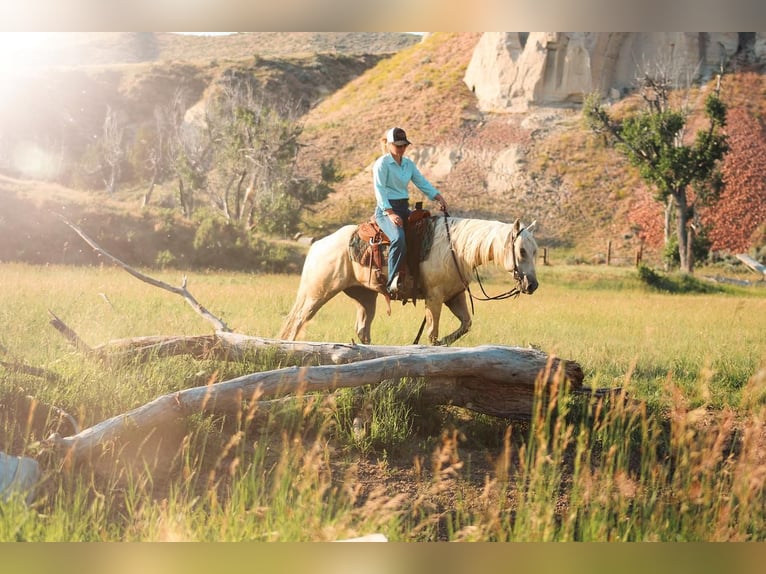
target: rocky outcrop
<point>511,71</point>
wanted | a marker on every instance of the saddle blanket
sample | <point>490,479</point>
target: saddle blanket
<point>368,235</point>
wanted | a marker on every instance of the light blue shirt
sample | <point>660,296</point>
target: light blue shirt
<point>391,179</point>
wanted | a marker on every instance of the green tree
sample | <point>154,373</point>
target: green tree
<point>653,141</point>
<point>189,149</point>
<point>255,144</point>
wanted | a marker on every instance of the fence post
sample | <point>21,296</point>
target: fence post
<point>609,252</point>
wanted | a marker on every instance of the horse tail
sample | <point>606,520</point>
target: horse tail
<point>292,325</point>
<point>321,279</point>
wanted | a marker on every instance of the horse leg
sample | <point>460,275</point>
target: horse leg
<point>459,307</point>
<point>365,310</point>
<point>433,312</point>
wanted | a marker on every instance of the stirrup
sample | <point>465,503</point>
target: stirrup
<point>393,289</point>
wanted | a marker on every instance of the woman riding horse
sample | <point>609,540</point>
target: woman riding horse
<point>391,174</point>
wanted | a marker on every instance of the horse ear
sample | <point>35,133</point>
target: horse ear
<point>531,226</point>
<point>516,227</point>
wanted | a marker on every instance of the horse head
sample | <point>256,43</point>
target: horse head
<point>520,257</point>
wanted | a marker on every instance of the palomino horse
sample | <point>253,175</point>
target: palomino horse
<point>459,246</point>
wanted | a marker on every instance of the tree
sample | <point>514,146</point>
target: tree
<point>255,143</point>
<point>190,154</point>
<point>155,149</point>
<point>238,158</point>
<point>653,141</point>
<point>112,147</point>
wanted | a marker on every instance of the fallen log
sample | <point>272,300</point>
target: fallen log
<point>500,381</point>
<point>493,380</point>
<point>756,266</point>
<point>227,346</point>
<point>236,346</point>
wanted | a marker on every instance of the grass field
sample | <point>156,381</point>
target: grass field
<point>680,455</point>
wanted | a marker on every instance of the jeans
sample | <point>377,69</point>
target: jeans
<point>397,251</point>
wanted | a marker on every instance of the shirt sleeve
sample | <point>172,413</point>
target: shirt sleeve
<point>422,183</point>
<point>379,173</point>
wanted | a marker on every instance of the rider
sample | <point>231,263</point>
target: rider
<point>391,174</point>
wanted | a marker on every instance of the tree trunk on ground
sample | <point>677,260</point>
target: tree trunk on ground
<point>499,381</point>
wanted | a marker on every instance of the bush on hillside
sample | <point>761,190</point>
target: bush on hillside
<point>222,245</point>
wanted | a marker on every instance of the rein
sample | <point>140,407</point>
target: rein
<point>514,292</point>
<point>454,259</point>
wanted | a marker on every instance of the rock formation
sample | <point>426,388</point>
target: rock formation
<point>511,71</point>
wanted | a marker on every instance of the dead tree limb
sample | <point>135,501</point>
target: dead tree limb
<point>228,346</point>
<point>182,291</point>
<point>17,367</point>
<point>500,381</point>
<point>142,349</point>
<point>236,346</point>
<point>70,335</point>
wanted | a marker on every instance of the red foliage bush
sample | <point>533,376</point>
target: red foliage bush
<point>647,217</point>
<point>741,209</point>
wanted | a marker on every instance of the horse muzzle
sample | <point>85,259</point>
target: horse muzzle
<point>528,285</point>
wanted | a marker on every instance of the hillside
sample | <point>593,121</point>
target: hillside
<point>538,165</point>
<point>541,164</point>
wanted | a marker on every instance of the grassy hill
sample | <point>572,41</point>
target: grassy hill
<point>582,193</point>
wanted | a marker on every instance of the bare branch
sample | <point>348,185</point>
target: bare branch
<point>30,370</point>
<point>70,335</point>
<point>182,291</point>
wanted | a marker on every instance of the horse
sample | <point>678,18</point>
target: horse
<point>459,246</point>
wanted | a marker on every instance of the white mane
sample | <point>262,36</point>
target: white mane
<point>475,241</point>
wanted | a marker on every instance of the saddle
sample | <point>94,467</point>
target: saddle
<point>369,247</point>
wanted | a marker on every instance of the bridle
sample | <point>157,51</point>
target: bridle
<point>513,292</point>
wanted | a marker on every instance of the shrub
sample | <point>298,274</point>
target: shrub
<point>216,242</point>
<point>682,283</point>
<point>700,249</point>
<point>165,259</point>
<point>222,245</point>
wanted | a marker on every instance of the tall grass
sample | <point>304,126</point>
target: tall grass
<point>609,470</point>
<point>676,454</point>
